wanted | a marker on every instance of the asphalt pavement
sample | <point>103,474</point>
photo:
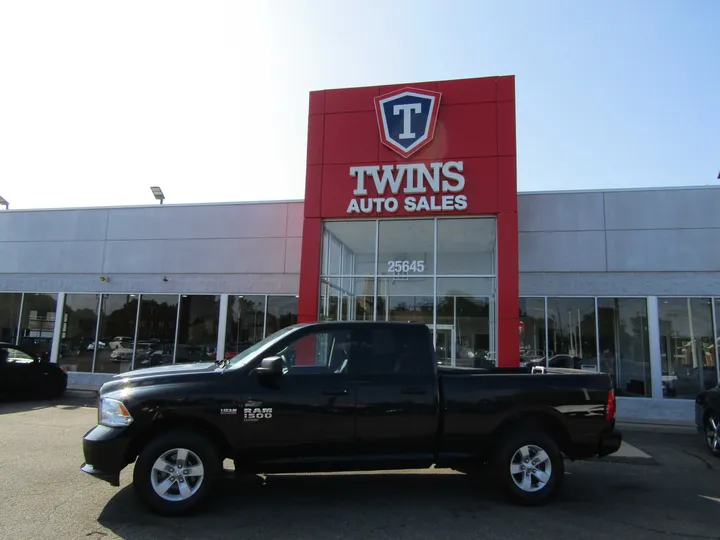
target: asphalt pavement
<point>672,493</point>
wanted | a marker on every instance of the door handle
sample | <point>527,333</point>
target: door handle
<point>415,390</point>
<point>334,392</point>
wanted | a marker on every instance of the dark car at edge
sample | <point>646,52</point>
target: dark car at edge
<point>345,396</point>
<point>25,374</point>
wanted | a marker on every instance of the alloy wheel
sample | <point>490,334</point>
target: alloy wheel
<point>530,468</point>
<point>177,474</point>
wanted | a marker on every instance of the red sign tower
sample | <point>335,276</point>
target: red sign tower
<point>459,135</point>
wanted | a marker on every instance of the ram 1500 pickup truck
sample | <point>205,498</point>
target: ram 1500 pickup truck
<point>345,396</point>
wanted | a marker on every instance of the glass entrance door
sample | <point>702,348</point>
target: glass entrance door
<point>444,344</point>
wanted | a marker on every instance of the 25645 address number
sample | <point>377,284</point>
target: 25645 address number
<point>406,266</point>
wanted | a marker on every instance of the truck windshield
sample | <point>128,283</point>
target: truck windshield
<point>251,352</point>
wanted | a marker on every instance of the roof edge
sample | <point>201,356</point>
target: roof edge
<point>156,205</point>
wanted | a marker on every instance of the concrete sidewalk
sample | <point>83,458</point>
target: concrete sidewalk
<point>686,428</point>
<point>629,454</point>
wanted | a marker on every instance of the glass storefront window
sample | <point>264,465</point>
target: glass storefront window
<point>357,299</point>
<point>532,331</point>
<point>406,247</point>
<point>116,333</point>
<point>37,323</point>
<point>347,299</point>
<point>197,333</point>
<point>330,294</point>
<point>624,348</point>
<point>282,312</point>
<point>466,322</point>
<point>687,348</point>
<point>405,299</point>
<point>9,316</point>
<point>466,246</point>
<point>349,248</point>
<point>245,323</point>
<point>77,338</point>
<point>412,281</point>
<point>572,333</point>
<point>156,332</point>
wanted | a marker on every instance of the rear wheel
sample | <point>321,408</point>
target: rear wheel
<point>529,466</point>
<point>175,473</point>
<point>712,433</point>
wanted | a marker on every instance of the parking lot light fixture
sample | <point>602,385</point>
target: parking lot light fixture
<point>157,192</point>
<point>4,203</point>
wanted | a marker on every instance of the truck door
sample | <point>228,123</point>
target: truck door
<point>307,414</point>
<point>397,403</point>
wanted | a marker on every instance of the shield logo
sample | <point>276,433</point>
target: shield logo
<point>406,119</point>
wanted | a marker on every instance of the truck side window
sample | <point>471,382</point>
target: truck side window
<point>386,351</point>
<point>320,352</point>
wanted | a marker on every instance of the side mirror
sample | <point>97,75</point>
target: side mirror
<point>272,365</point>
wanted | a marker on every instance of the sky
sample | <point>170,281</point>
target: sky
<point>209,100</point>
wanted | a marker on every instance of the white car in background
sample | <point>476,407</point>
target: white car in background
<point>120,341</point>
<point>121,354</point>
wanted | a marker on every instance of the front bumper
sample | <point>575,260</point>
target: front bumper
<point>112,478</point>
<point>105,450</point>
<point>610,442</point>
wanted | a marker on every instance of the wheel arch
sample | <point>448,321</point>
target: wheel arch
<point>164,425</point>
<point>534,419</point>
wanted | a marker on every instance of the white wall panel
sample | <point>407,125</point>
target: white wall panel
<point>561,212</point>
<point>620,284</point>
<point>205,221</point>
<point>153,283</point>
<point>50,257</point>
<point>578,251</point>
<point>53,225</point>
<point>663,209</point>
<point>293,248</point>
<point>213,256</point>
<point>294,220</point>
<point>663,250</point>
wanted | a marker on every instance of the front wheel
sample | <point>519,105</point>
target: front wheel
<point>712,434</point>
<point>175,473</point>
<point>529,466</point>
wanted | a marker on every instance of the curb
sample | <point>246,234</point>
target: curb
<point>626,460</point>
<point>657,427</point>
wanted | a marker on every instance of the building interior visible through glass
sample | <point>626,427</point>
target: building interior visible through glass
<point>112,333</point>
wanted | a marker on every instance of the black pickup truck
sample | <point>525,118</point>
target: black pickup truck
<point>345,396</point>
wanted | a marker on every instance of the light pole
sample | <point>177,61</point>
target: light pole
<point>4,203</point>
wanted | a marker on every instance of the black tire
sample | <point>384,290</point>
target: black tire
<point>200,449</point>
<point>507,453</point>
<point>711,425</point>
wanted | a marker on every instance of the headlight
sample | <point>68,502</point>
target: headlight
<point>113,413</point>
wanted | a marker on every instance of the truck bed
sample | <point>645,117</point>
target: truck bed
<point>476,401</point>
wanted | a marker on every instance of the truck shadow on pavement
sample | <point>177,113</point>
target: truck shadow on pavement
<point>366,506</point>
<point>69,401</point>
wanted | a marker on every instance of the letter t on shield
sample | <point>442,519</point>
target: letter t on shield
<point>406,109</point>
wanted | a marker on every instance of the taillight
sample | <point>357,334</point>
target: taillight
<point>610,408</point>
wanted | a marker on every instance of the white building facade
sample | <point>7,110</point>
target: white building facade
<point>625,280</point>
